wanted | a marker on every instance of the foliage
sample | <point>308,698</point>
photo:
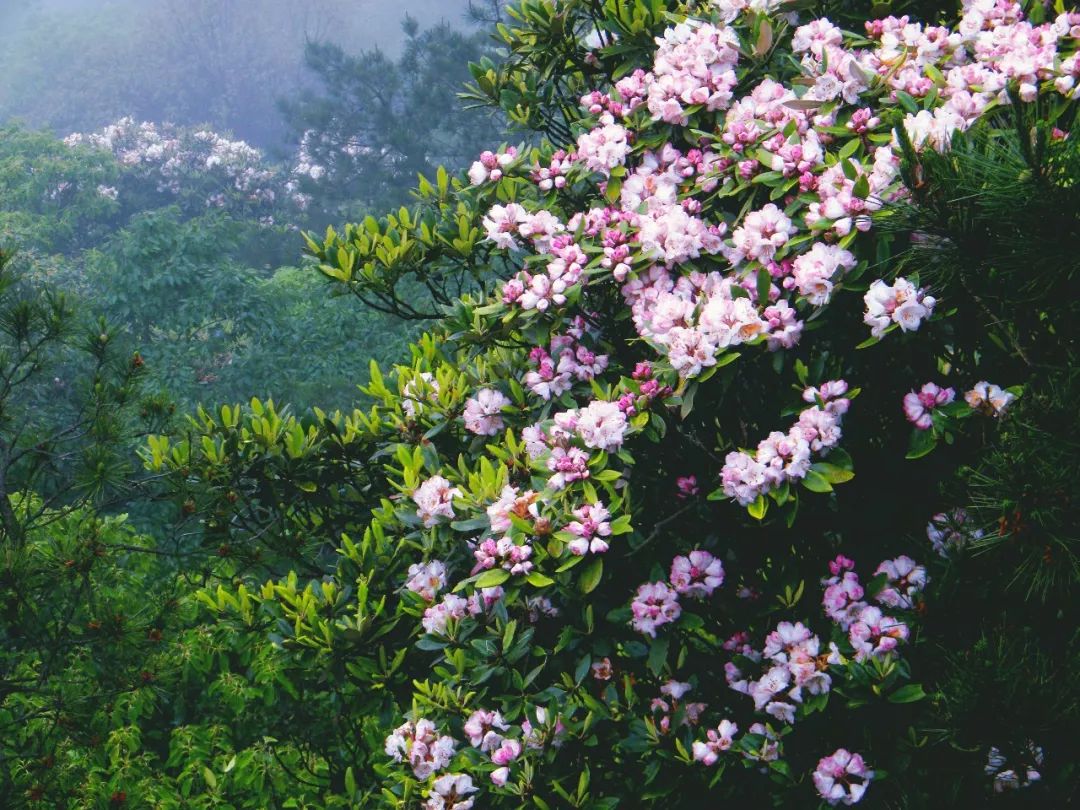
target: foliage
<point>534,624</point>
<point>379,122</point>
<point>650,512</point>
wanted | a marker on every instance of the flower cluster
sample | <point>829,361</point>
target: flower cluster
<point>684,251</point>
<point>919,406</point>
<point>989,398</point>
<point>793,667</point>
<point>842,777</point>
<point>1020,776</point>
<point>694,66</point>
<point>951,531</point>
<point>421,746</point>
<point>785,457</point>
<point>455,608</point>
<point>871,633</point>
<point>434,500</point>
<point>900,303</point>
<point>483,412</point>
<point>696,575</point>
<point>173,158</point>
<point>490,166</point>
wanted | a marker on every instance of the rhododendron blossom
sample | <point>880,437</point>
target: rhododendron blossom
<point>900,303</point>
<point>950,531</point>
<point>421,746</point>
<point>451,792</point>
<point>427,579</point>
<point>842,777</point>
<point>989,398</point>
<point>434,500</point>
<point>698,574</point>
<point>716,741</point>
<point>918,407</point>
<point>483,412</point>
<point>654,606</point>
<point>904,579</point>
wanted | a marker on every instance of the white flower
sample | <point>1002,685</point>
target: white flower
<point>602,425</point>
<point>434,499</point>
<point>483,412</point>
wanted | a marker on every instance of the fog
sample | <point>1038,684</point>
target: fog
<point>76,65</point>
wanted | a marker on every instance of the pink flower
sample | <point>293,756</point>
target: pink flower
<point>708,752</point>
<point>512,502</point>
<point>483,727</point>
<point>687,485</point>
<point>842,777</point>
<point>602,669</point>
<point>901,303</point>
<point>501,224</point>
<point>842,599</point>
<point>434,500</point>
<point>437,617</point>
<point>874,634</point>
<point>919,407</point>
<point>948,531</point>
<point>602,425</point>
<point>786,457</point>
<point>761,234</point>
<point>989,398</point>
<point>697,575</point>
<point>536,737</point>
<point>591,527</point>
<point>421,746</point>
<point>451,792</point>
<point>654,606</point>
<point>743,478</point>
<point>483,413</point>
<point>567,465</point>
<point>904,579</point>
<point>507,751</point>
<point>427,579</point>
<point>816,271</point>
<point>604,147</point>
<point>504,553</point>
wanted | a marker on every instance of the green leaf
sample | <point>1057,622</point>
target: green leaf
<point>839,457</point>
<point>848,149</point>
<point>591,576</point>
<point>539,580</point>
<point>816,482</point>
<point>911,693</point>
<point>764,281</point>
<point>566,566</point>
<point>832,473</point>
<point>658,651</point>
<point>906,101</point>
<point>758,508</point>
<point>922,443</point>
<point>489,579</point>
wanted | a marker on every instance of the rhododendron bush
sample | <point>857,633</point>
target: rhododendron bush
<point>667,505</point>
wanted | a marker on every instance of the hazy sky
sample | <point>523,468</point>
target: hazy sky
<point>71,65</point>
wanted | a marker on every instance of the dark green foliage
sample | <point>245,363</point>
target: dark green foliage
<point>377,122</point>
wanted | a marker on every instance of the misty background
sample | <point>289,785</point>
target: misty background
<point>76,65</point>
<point>159,160</point>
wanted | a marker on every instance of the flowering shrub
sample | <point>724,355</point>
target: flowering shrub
<point>614,480</point>
<point>184,162</point>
